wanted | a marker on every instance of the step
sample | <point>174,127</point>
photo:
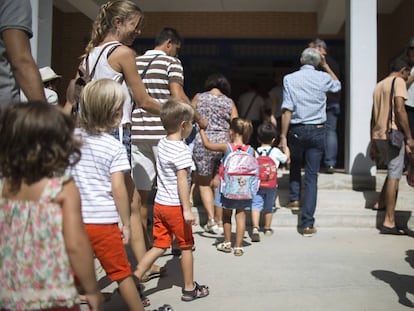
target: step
<point>343,201</point>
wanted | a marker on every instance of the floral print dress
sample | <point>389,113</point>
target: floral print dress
<point>35,272</point>
<point>217,110</point>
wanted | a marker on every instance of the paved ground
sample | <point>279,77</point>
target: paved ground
<point>337,269</point>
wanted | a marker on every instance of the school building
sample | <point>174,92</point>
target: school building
<point>249,41</point>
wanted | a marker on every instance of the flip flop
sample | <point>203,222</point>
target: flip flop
<point>153,274</point>
<point>376,207</point>
<point>393,231</point>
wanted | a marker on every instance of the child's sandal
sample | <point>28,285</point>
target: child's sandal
<point>224,247</point>
<point>199,291</point>
<point>238,251</point>
<point>145,300</point>
<point>164,308</point>
<point>268,231</point>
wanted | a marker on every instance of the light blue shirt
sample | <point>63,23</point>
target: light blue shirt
<point>304,94</point>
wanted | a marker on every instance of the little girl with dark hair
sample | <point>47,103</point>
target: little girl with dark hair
<point>42,235</point>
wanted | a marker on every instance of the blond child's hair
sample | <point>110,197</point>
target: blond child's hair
<point>101,106</point>
<point>175,111</point>
<point>242,127</point>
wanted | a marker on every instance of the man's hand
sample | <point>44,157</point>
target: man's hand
<point>283,143</point>
<point>410,144</point>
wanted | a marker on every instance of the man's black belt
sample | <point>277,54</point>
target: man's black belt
<point>320,125</point>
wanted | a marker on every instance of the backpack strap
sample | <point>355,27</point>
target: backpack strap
<point>269,151</point>
<point>90,74</point>
<point>149,63</point>
<point>264,151</point>
<point>114,45</point>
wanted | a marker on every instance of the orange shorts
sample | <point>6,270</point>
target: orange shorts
<point>169,220</point>
<point>108,247</point>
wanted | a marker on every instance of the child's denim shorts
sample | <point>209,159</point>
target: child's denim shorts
<point>264,200</point>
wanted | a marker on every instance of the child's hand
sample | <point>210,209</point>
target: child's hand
<point>95,301</point>
<point>189,217</point>
<point>125,234</point>
<point>202,123</point>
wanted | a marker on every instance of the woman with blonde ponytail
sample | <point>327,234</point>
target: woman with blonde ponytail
<point>107,55</point>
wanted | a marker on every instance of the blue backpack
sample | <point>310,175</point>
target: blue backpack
<point>240,173</point>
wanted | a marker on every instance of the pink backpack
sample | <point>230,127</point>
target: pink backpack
<point>239,180</point>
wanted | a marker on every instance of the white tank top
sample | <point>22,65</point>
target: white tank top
<point>104,70</point>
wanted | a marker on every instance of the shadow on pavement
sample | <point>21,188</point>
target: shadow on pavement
<point>400,283</point>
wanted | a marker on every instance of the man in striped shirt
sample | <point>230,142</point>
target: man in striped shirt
<point>162,74</point>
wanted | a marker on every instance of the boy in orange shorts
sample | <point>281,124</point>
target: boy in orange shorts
<point>172,208</point>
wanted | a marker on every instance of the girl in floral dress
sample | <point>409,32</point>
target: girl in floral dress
<point>43,241</point>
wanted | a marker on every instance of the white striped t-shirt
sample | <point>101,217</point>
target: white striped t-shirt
<point>102,155</point>
<point>172,156</point>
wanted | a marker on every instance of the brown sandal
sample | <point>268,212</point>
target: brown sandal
<point>199,291</point>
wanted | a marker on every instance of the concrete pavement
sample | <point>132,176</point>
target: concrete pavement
<point>337,269</point>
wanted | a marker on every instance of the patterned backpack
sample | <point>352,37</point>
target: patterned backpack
<point>239,180</point>
<point>267,170</point>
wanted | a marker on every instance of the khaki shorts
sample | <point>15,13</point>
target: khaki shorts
<point>143,162</point>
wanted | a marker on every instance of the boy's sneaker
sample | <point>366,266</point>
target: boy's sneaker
<point>255,235</point>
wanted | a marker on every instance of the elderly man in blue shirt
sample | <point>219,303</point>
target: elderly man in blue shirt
<point>303,129</point>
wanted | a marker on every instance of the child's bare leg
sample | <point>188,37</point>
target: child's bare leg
<point>255,218</point>
<point>130,294</point>
<point>191,289</point>
<point>218,214</point>
<point>268,217</point>
<point>187,268</point>
<point>147,261</point>
<point>227,224</point>
<point>240,227</point>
